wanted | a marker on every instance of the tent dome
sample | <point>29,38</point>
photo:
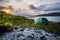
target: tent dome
<point>43,21</point>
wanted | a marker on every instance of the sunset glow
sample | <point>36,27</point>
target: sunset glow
<point>7,10</point>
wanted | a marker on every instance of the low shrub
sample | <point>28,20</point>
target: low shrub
<point>7,27</point>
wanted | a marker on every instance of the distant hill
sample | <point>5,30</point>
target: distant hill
<point>51,14</point>
<point>17,20</point>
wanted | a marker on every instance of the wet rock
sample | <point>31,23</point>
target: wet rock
<point>24,39</point>
<point>19,35</point>
<point>53,38</point>
<point>43,38</point>
<point>58,37</point>
<point>32,38</point>
<point>22,29</point>
<point>16,28</point>
<point>29,34</point>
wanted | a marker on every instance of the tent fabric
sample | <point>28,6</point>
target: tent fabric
<point>42,21</point>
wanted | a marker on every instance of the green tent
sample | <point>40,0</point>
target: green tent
<point>43,21</point>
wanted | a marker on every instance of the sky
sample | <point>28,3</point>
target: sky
<point>32,7</point>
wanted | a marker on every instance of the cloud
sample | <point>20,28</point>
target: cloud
<point>51,7</point>
<point>32,7</point>
<point>1,0</point>
<point>47,8</point>
<point>25,3</point>
<point>1,8</point>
